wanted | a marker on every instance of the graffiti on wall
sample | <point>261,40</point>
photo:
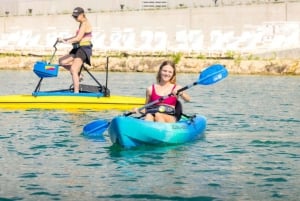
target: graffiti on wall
<point>268,36</point>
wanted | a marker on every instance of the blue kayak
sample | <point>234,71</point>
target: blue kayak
<point>131,132</point>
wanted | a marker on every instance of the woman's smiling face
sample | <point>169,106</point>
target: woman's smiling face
<point>166,73</point>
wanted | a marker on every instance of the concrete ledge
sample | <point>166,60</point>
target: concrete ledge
<point>119,63</point>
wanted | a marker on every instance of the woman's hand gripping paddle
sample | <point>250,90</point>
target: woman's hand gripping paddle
<point>210,75</point>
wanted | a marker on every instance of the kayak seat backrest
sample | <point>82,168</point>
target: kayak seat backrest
<point>178,110</point>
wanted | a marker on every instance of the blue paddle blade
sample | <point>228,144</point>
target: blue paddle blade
<point>95,128</point>
<point>213,74</point>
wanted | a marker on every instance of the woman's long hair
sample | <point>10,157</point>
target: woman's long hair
<point>158,76</point>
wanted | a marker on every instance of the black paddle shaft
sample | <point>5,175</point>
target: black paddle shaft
<point>185,88</point>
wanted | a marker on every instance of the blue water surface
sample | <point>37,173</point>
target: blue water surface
<point>251,149</point>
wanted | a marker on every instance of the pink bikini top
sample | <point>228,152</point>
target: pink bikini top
<point>168,101</point>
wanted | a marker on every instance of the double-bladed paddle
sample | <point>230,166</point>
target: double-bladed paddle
<point>209,76</point>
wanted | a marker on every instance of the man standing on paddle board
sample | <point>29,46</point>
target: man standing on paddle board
<point>82,47</point>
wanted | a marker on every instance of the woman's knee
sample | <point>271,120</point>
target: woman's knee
<point>75,68</point>
<point>149,117</point>
<point>159,117</point>
<point>60,61</point>
<point>65,60</point>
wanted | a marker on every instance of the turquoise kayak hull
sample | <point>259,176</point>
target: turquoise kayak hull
<point>131,132</point>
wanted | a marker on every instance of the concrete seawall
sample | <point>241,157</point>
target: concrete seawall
<point>255,34</point>
<point>184,65</point>
<point>209,30</point>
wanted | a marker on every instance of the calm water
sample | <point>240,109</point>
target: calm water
<point>251,150</point>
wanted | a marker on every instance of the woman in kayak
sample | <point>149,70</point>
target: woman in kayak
<point>82,47</point>
<point>164,111</point>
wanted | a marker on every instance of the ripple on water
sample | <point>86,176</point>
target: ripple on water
<point>250,150</point>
